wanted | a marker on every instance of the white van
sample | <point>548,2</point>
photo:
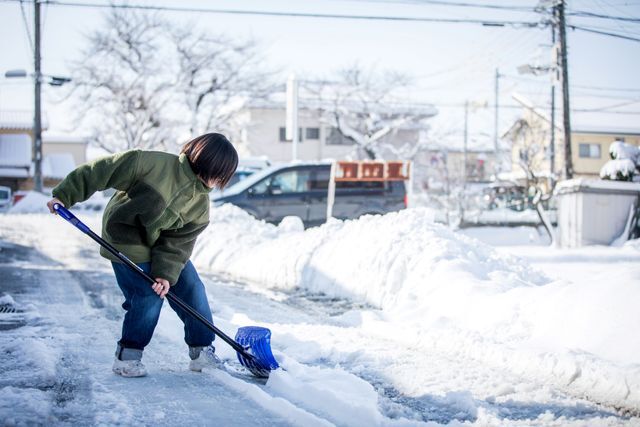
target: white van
<point>5,199</point>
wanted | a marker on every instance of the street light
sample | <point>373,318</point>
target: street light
<point>15,73</point>
<point>37,126</point>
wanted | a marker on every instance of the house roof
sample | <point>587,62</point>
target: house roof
<point>583,124</point>
<point>19,120</point>
<point>278,101</point>
<point>609,130</point>
<point>57,138</point>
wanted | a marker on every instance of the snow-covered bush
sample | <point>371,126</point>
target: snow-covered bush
<point>624,163</point>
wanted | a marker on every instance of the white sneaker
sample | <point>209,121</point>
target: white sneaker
<point>206,359</point>
<point>129,368</point>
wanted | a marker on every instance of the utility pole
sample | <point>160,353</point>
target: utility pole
<point>568,163</point>
<point>495,125</point>
<point>554,79</point>
<point>291,131</point>
<point>37,117</point>
<point>464,155</point>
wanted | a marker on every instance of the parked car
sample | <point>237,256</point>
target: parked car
<point>301,190</point>
<point>239,175</point>
<point>5,199</point>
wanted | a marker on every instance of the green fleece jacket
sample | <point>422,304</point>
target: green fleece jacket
<point>157,213</point>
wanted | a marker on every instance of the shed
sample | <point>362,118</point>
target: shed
<point>595,212</point>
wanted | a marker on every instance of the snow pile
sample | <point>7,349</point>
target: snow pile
<point>439,289</point>
<point>33,202</point>
<point>397,262</point>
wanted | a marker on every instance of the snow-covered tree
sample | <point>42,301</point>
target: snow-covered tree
<point>144,82</point>
<point>363,105</point>
<point>624,164</point>
<point>119,83</point>
<point>531,142</point>
<point>215,77</point>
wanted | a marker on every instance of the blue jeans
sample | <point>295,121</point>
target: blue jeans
<point>143,306</point>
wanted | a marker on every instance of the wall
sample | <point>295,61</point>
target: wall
<point>263,137</point>
<point>590,167</point>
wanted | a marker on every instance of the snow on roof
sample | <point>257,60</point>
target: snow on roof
<point>596,185</point>
<point>48,137</point>
<point>14,172</point>
<point>15,150</point>
<point>57,165</point>
<point>278,101</point>
<point>19,120</point>
<point>615,130</point>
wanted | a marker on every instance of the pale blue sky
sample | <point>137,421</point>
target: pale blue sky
<point>451,62</point>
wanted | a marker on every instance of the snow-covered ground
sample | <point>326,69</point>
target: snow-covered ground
<point>388,320</point>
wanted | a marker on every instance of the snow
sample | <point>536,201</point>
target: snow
<point>441,287</point>
<point>572,185</point>
<point>32,202</point>
<point>621,150</point>
<point>619,167</point>
<point>623,163</point>
<point>384,321</point>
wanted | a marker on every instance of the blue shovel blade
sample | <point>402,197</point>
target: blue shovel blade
<point>257,341</point>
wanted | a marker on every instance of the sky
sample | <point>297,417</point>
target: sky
<point>451,63</point>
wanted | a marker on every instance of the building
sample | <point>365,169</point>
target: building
<point>444,169</point>
<point>530,137</point>
<point>61,153</point>
<point>264,134</point>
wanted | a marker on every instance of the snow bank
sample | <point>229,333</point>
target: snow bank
<point>441,289</point>
<point>33,202</point>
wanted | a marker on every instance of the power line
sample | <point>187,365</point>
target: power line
<point>589,30</point>
<point>484,22</point>
<point>457,4</point>
<point>26,25</point>
<point>598,15</point>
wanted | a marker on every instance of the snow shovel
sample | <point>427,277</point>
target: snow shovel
<point>252,343</point>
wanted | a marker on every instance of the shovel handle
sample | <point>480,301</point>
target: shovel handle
<point>71,218</point>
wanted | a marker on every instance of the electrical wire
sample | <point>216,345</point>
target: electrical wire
<point>455,4</point>
<point>26,26</point>
<point>597,15</point>
<point>484,22</point>
<point>589,30</point>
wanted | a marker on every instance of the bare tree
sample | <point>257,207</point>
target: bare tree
<point>142,81</point>
<point>216,76</point>
<point>530,139</point>
<point>363,106</point>
<point>119,83</point>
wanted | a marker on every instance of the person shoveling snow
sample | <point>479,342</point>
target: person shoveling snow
<point>155,217</point>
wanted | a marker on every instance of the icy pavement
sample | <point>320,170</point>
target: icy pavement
<point>345,364</point>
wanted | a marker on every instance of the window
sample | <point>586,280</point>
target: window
<point>319,179</point>
<point>589,151</point>
<point>312,133</point>
<point>337,138</point>
<point>283,135</point>
<point>291,181</point>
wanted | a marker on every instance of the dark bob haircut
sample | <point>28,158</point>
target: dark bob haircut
<point>212,158</point>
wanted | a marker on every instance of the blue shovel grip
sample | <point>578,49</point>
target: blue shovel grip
<point>64,213</point>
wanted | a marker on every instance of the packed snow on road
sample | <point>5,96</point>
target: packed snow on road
<point>383,321</point>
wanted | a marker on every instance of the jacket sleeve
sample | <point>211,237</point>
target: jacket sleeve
<point>172,250</point>
<point>117,171</point>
